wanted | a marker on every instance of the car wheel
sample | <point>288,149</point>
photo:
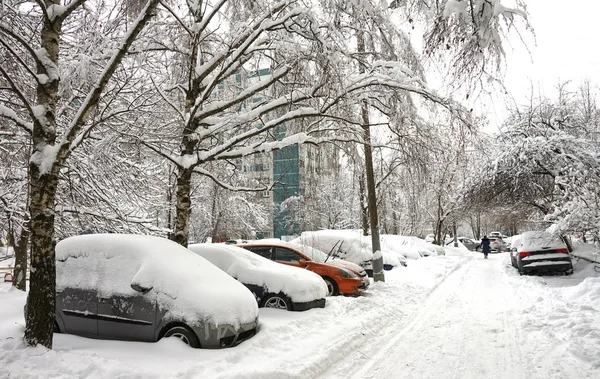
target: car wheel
<point>332,287</point>
<point>277,302</point>
<point>183,333</point>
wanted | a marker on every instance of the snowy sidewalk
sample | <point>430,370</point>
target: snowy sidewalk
<point>485,321</point>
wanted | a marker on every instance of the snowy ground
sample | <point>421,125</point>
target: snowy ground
<point>452,316</point>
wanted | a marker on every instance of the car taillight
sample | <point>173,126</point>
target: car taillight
<point>563,250</point>
<point>495,243</point>
<point>524,254</point>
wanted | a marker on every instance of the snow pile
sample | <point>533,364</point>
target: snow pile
<point>561,319</point>
<point>190,288</point>
<point>585,250</point>
<point>460,251</point>
<point>249,268</point>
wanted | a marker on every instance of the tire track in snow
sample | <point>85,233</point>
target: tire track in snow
<point>466,329</point>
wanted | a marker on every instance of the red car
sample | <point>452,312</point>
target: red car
<point>342,277</point>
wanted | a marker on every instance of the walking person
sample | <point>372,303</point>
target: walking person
<point>485,246</point>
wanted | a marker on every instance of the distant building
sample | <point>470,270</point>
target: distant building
<point>293,169</point>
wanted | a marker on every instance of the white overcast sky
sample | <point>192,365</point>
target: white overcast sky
<point>566,48</point>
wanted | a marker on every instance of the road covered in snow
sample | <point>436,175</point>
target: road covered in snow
<point>455,316</point>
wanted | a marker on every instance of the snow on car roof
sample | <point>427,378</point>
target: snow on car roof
<point>298,284</point>
<point>539,240</point>
<point>189,287</point>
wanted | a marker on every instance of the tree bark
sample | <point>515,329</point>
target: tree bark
<point>44,169</point>
<point>20,278</point>
<point>378,274</point>
<point>42,297</point>
<point>364,208</point>
<point>183,206</point>
<point>42,279</point>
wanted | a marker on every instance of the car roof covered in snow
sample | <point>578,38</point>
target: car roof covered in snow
<point>539,240</point>
<point>189,287</point>
<point>249,268</point>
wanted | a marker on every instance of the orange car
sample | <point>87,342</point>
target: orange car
<point>342,277</point>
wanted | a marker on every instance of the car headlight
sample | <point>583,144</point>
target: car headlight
<point>347,274</point>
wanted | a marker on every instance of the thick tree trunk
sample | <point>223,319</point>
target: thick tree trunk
<point>42,283</point>
<point>183,206</point>
<point>41,300</point>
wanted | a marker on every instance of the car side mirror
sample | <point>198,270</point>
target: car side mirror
<point>302,262</point>
<point>139,288</point>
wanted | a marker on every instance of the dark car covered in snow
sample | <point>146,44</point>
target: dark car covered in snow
<point>540,252</point>
<point>144,288</point>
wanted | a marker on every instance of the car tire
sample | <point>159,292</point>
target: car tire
<point>332,287</point>
<point>183,333</point>
<point>276,301</point>
<point>513,261</point>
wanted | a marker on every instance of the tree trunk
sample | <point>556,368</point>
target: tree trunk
<point>42,297</point>
<point>183,206</point>
<point>364,210</point>
<point>20,279</point>
<point>39,321</point>
<point>378,274</point>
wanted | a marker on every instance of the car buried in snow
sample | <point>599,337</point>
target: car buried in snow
<point>342,277</point>
<point>144,288</point>
<point>274,285</point>
<point>343,244</point>
<point>540,252</point>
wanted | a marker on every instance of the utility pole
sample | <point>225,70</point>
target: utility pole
<point>378,274</point>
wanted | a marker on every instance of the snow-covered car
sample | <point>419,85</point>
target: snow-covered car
<point>497,245</point>
<point>540,251</point>
<point>342,277</point>
<point>274,285</point>
<point>469,243</point>
<point>409,246</point>
<point>144,288</point>
<point>343,244</point>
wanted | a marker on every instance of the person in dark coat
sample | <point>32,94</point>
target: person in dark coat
<point>485,246</point>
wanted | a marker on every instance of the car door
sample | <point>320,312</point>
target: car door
<point>287,256</point>
<point>77,311</point>
<point>127,317</point>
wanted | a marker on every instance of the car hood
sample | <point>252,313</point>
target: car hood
<point>353,267</point>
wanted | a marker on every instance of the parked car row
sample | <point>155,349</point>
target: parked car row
<point>144,288</point>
